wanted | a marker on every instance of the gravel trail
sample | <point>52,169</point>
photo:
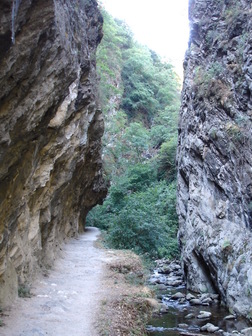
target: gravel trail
<point>66,302</point>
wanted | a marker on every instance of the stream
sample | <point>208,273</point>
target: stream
<point>187,313</point>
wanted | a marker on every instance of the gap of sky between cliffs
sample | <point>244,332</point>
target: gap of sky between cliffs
<point>162,25</point>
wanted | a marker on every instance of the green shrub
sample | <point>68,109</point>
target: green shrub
<point>24,291</point>
<point>167,159</point>
<point>144,221</point>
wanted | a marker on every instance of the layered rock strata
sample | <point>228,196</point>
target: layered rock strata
<point>215,153</point>
<point>50,131</point>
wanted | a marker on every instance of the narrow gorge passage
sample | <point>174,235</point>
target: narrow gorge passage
<point>67,301</point>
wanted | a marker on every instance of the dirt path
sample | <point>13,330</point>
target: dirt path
<point>67,302</point>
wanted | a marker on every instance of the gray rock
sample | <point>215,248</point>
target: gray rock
<point>195,302</point>
<point>247,332</point>
<point>174,282</point>
<point>153,281</point>
<point>163,309</point>
<point>209,327</point>
<point>214,156</point>
<point>182,300</point>
<point>214,296</point>
<point>178,295</point>
<point>50,131</point>
<point>189,316</point>
<point>204,315</point>
<point>183,325</point>
<point>230,317</point>
<point>161,287</point>
<point>189,297</point>
<point>207,300</point>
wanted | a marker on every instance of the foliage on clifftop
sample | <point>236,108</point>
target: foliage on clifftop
<point>139,94</point>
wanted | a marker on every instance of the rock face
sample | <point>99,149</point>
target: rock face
<point>50,131</point>
<point>215,152</point>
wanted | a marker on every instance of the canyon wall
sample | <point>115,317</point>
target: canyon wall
<point>50,132</point>
<point>215,152</point>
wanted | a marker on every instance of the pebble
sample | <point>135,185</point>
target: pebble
<point>209,327</point>
<point>204,314</point>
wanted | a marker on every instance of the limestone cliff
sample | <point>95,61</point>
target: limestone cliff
<point>215,152</point>
<point>50,131</point>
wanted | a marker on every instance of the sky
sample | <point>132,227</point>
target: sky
<point>162,25</point>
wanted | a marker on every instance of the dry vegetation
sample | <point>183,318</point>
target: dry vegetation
<point>127,303</point>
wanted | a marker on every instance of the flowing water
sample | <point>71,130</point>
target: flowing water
<point>174,322</point>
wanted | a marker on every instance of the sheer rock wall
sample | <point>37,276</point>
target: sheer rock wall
<point>50,131</point>
<point>215,152</point>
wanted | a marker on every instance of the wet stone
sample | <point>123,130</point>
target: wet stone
<point>195,302</point>
<point>207,300</point>
<point>189,297</point>
<point>209,327</point>
<point>230,317</point>
<point>182,300</point>
<point>163,309</point>
<point>178,295</point>
<point>204,314</point>
<point>247,332</point>
<point>189,311</point>
<point>183,325</point>
<point>214,296</point>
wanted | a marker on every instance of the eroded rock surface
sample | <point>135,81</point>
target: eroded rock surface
<point>215,153</point>
<point>50,131</point>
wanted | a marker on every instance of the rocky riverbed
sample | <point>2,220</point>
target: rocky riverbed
<point>186,313</point>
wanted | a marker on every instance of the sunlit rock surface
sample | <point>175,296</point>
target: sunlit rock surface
<point>50,131</point>
<point>215,153</point>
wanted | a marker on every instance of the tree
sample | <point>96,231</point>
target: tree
<point>139,95</point>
